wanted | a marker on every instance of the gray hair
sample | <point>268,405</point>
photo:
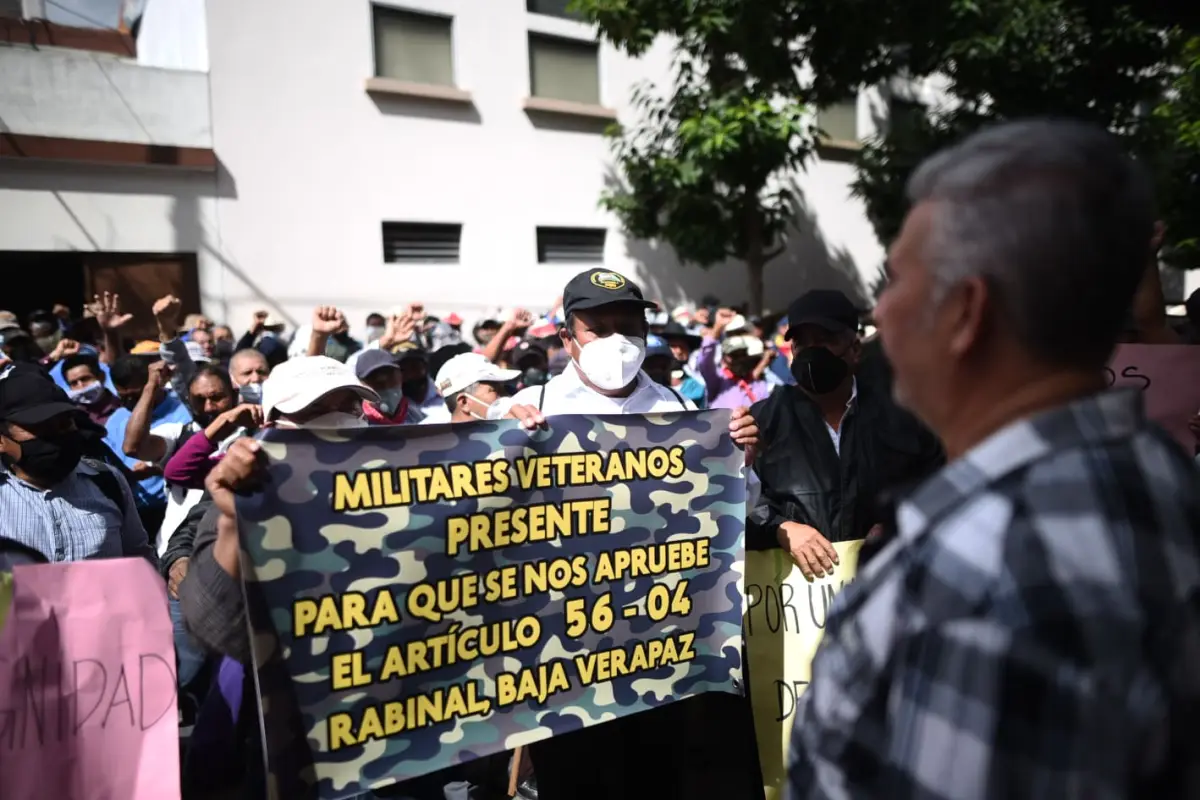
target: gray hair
<point>1056,217</point>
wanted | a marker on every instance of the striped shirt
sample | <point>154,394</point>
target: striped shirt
<point>73,520</point>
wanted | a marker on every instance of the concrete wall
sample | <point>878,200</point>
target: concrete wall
<point>49,91</point>
<point>71,94</point>
<point>317,163</point>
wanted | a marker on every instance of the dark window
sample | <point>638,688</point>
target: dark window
<point>564,69</point>
<point>571,245</point>
<point>552,8</point>
<point>421,242</point>
<point>413,47</point>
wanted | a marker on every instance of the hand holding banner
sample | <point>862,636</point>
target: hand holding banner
<point>423,596</point>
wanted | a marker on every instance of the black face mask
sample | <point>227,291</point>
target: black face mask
<point>223,349</point>
<point>204,420</point>
<point>818,370</point>
<point>415,389</point>
<point>534,377</point>
<point>50,459</point>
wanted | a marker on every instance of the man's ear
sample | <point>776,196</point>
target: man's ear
<point>8,446</point>
<point>854,354</point>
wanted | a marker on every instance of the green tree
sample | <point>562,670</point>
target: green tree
<point>700,168</point>
<point>1004,59</point>
<point>1177,157</point>
<point>707,166</point>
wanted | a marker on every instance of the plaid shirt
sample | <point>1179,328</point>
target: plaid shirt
<point>1032,632</point>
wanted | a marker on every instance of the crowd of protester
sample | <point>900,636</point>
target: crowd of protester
<point>116,447</point>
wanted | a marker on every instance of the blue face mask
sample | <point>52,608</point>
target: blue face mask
<point>251,393</point>
<point>86,395</point>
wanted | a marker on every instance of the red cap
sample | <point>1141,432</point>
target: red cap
<point>453,319</point>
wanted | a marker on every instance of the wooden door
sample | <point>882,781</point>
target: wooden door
<point>140,280</point>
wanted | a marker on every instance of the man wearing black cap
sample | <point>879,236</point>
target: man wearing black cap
<point>682,345</point>
<point>832,442</point>
<point>52,500</point>
<point>417,385</point>
<point>648,754</point>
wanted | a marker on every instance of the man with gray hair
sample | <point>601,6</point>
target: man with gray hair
<point>1033,627</point>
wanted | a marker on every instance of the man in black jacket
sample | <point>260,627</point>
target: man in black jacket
<point>834,442</point>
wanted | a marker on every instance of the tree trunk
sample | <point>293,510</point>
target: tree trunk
<point>755,267</point>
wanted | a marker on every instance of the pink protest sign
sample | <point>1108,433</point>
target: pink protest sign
<point>1169,375</point>
<point>87,684</point>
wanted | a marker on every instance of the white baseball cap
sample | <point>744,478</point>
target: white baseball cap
<point>750,345</point>
<point>736,325</point>
<point>299,382</point>
<point>467,368</point>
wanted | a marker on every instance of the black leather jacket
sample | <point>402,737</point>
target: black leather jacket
<point>805,481</point>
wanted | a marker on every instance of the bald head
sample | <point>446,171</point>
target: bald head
<point>248,366</point>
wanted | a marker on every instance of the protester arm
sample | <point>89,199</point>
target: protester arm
<point>492,350</point>
<point>175,355</point>
<point>183,539</point>
<point>210,599</point>
<point>316,343</point>
<point>1149,303</point>
<point>139,442</point>
<point>134,541</point>
<point>190,464</point>
<point>706,366</point>
<point>763,521</point>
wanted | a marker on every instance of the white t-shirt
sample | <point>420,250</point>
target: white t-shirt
<point>179,500</point>
<point>567,394</point>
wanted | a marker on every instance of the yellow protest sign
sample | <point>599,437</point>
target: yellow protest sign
<point>784,622</point>
<point>5,596</point>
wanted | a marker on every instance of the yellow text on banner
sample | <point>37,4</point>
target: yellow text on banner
<point>784,622</point>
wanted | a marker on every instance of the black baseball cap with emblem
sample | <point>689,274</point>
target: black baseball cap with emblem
<point>828,309</point>
<point>28,396</point>
<point>601,287</point>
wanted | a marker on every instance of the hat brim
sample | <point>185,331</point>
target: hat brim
<point>825,323</point>
<point>495,376</point>
<point>319,389</point>
<point>40,413</point>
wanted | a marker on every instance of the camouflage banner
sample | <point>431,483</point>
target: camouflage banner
<point>422,596</point>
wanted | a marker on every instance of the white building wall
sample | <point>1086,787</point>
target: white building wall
<point>311,164</point>
<point>314,165</point>
<point>49,206</point>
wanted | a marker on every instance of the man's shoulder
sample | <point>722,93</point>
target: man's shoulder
<point>768,408</point>
<point>672,397</point>
<point>532,395</point>
<point>170,429</point>
<point>117,420</point>
<point>1078,516</point>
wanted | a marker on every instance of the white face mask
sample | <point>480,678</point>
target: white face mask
<point>613,362</point>
<point>87,395</point>
<point>334,419</point>
<point>494,410</point>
